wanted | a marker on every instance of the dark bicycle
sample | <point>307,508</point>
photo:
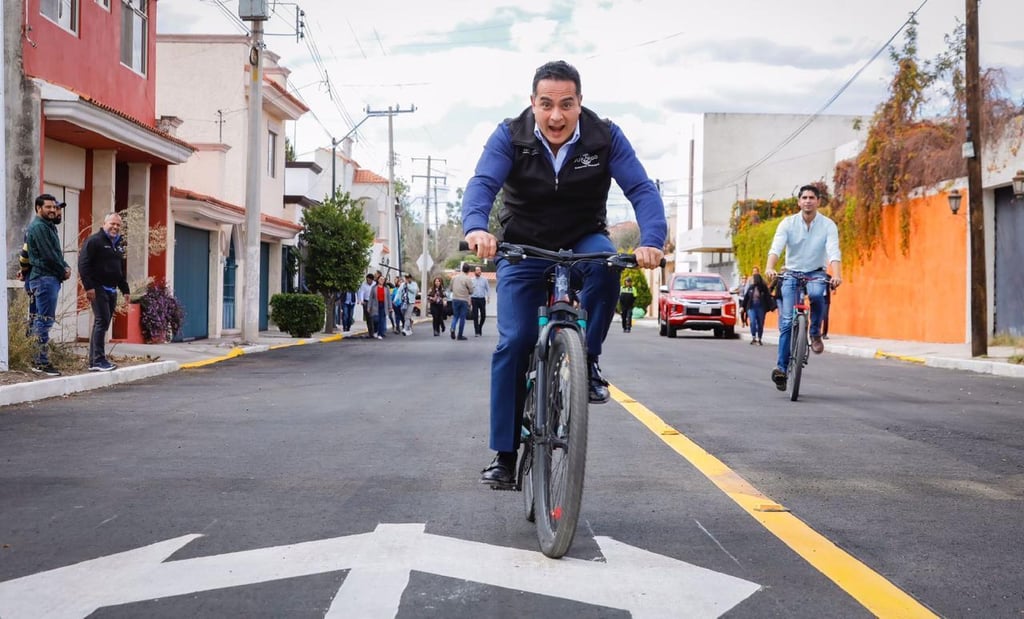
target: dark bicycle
<point>799,335</point>
<point>554,433</point>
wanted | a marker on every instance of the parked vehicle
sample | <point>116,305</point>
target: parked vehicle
<point>698,301</point>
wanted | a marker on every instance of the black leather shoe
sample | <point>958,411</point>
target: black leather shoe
<point>498,472</point>
<point>598,385</point>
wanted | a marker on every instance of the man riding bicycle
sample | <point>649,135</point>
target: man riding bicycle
<point>811,241</point>
<point>555,163</point>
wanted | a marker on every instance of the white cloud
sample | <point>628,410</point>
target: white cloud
<point>647,64</point>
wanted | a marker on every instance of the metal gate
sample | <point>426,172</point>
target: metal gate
<point>1009,271</point>
<point>192,280</point>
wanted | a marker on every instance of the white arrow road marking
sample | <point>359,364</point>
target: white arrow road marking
<point>646,584</point>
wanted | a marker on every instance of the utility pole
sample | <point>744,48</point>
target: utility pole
<point>972,152</point>
<point>391,205</point>
<point>4,334</point>
<point>257,12</point>
<point>426,261</point>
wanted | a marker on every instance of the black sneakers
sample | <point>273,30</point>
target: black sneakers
<point>46,368</point>
<point>779,378</point>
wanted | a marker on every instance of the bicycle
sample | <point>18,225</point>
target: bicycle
<point>799,336</point>
<point>554,432</point>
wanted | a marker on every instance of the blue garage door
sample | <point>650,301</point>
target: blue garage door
<point>192,280</point>
<point>1009,275</point>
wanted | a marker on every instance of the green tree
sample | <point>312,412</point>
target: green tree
<point>338,242</point>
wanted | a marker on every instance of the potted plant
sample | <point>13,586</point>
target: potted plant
<point>162,313</point>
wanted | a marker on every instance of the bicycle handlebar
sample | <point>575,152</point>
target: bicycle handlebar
<point>515,252</point>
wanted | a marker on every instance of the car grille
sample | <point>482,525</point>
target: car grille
<point>694,311</point>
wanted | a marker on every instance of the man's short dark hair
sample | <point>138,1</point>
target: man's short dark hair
<point>559,70</point>
<point>811,188</point>
<point>466,267</point>
<point>41,199</point>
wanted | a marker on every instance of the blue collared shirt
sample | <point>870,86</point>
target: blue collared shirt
<point>808,248</point>
<point>563,152</point>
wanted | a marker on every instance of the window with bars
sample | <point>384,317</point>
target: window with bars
<point>63,12</point>
<point>134,34</point>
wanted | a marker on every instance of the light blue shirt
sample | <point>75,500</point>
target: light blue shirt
<point>808,248</point>
<point>563,152</point>
<point>481,289</point>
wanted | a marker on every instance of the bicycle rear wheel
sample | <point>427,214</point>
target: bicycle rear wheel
<point>797,355</point>
<point>560,449</point>
<point>525,476</point>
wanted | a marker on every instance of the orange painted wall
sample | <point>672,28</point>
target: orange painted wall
<point>920,296</point>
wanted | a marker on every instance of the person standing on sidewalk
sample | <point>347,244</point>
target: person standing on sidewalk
<point>811,242</point>
<point>478,301</point>
<point>101,267</point>
<point>462,290</point>
<point>436,298</point>
<point>49,270</point>
<point>627,298</point>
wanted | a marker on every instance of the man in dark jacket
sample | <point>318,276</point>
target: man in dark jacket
<point>555,163</point>
<point>101,267</point>
<point>48,270</point>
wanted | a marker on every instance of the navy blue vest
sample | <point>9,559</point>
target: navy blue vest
<point>555,212</point>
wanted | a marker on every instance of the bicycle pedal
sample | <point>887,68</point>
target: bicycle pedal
<point>503,486</point>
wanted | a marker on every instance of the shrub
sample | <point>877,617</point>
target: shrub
<point>162,313</point>
<point>299,315</point>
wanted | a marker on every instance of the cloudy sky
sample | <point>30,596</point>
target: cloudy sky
<point>649,65</point>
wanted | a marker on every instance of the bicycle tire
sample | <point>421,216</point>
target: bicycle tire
<point>525,476</point>
<point>558,470</point>
<point>798,355</point>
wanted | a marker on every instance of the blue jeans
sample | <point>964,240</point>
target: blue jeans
<point>346,316</point>
<point>521,290</point>
<point>45,290</point>
<point>755,314</point>
<point>816,292</point>
<point>459,311</point>
<point>382,318</point>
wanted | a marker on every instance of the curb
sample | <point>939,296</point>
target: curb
<point>66,385</point>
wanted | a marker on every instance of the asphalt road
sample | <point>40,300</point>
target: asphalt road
<point>341,480</point>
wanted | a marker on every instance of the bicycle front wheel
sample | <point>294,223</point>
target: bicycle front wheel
<point>560,449</point>
<point>797,355</point>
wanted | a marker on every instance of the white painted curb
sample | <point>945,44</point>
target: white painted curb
<point>64,385</point>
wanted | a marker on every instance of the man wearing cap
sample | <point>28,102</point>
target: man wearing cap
<point>627,298</point>
<point>48,270</point>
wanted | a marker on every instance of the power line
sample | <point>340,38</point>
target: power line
<point>813,117</point>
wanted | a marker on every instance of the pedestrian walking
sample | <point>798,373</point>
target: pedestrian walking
<point>436,297</point>
<point>462,290</point>
<point>478,301</point>
<point>409,290</point>
<point>48,272</point>
<point>365,300</point>
<point>627,298</point>
<point>756,304</point>
<point>101,268</point>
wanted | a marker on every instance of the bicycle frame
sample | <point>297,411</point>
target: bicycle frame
<point>799,334</point>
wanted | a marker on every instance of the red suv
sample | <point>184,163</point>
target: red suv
<point>698,301</point>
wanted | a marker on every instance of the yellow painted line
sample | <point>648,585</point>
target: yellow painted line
<point>870,589</point>
<point>235,352</point>
<point>881,354</point>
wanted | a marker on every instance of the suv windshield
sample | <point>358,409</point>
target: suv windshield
<point>707,284</point>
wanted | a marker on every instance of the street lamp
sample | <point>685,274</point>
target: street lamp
<point>954,198</point>
<point>1018,185</point>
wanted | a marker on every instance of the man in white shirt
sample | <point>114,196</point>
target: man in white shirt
<point>362,298</point>
<point>811,242</point>
<point>478,302</point>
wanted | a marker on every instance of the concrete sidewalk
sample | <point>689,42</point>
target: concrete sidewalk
<point>200,353</point>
